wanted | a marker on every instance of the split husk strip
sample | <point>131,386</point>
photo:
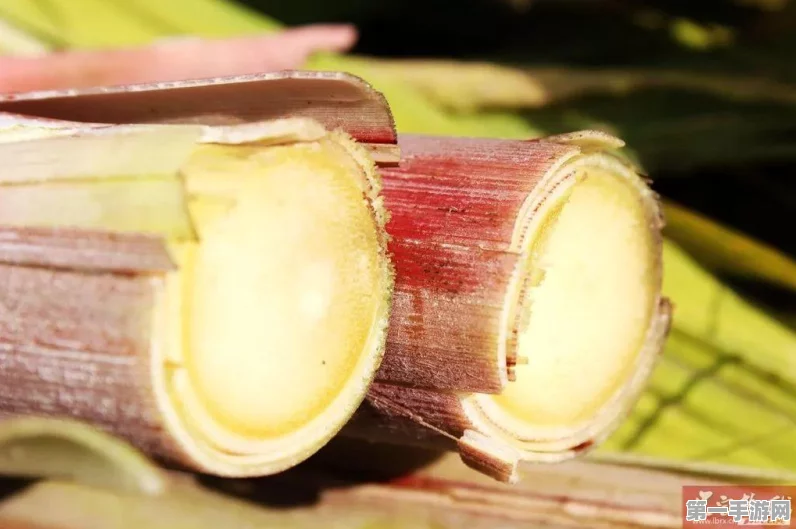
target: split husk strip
<point>337,100</point>
<point>217,295</point>
<point>473,223</point>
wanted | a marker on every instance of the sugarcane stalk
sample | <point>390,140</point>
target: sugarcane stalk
<point>425,116</point>
<point>495,270</point>
<point>489,243</point>
<point>218,296</point>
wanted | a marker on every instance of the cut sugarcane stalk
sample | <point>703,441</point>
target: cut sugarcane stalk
<point>527,307</point>
<point>229,318</point>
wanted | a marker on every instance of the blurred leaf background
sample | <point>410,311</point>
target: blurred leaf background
<point>703,92</point>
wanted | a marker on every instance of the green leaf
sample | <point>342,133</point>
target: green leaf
<point>98,23</point>
<point>726,250</point>
<point>725,388</point>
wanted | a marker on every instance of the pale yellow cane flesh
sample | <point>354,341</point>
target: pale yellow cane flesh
<point>589,303</point>
<point>287,283</point>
